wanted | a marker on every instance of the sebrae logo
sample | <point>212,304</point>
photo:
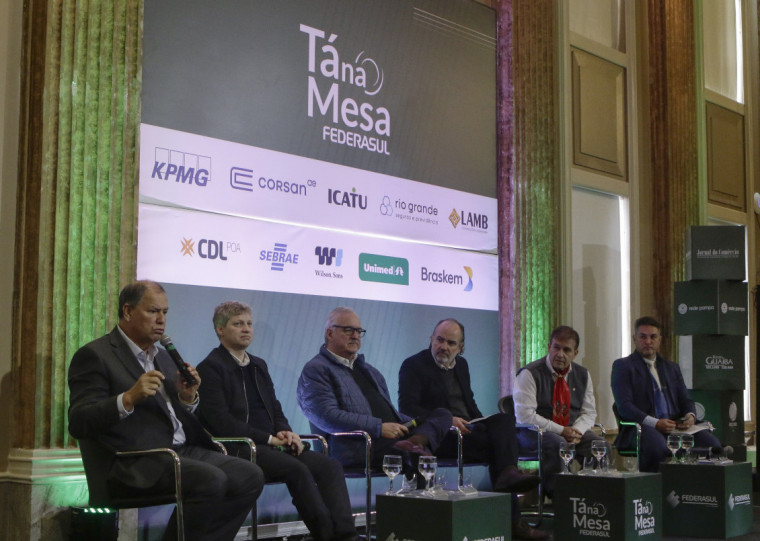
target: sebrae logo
<point>343,87</point>
<point>279,256</point>
<point>209,248</point>
<point>181,167</point>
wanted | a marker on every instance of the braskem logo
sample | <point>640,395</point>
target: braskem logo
<point>447,278</point>
<point>384,269</point>
<point>181,167</point>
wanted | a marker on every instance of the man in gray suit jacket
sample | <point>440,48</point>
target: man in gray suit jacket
<point>126,394</point>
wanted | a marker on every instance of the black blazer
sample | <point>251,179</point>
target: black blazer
<point>99,372</point>
<point>421,388</point>
<point>224,404</point>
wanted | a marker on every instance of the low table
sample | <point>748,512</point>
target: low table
<point>707,500</point>
<point>447,517</point>
<point>626,506</point>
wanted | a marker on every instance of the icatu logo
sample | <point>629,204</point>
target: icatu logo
<point>181,167</point>
<point>209,248</point>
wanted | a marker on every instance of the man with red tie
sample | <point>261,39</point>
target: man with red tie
<point>557,394</point>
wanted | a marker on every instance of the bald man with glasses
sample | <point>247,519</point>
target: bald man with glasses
<point>340,391</point>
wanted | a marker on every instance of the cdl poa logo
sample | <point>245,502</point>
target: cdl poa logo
<point>181,167</point>
<point>209,248</point>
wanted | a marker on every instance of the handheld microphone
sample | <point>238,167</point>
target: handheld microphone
<point>166,341</point>
<point>411,424</point>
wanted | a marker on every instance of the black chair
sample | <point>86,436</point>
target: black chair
<point>98,458</point>
<point>506,405</point>
<point>628,425</point>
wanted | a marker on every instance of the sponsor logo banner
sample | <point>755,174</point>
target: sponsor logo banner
<point>196,172</point>
<point>204,249</point>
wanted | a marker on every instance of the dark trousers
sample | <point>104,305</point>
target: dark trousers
<point>218,492</point>
<point>654,449</point>
<point>318,489</point>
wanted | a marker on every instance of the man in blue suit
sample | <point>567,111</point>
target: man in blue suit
<point>650,390</point>
<point>126,395</point>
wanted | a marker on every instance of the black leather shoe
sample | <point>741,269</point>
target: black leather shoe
<point>512,479</point>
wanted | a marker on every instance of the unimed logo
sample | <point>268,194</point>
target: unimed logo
<point>181,167</point>
<point>383,268</point>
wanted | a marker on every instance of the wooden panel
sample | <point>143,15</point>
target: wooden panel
<point>726,179</point>
<point>598,114</point>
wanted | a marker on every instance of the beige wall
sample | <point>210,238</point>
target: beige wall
<point>10,62</point>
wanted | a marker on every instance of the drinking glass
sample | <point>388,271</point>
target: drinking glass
<point>566,453</point>
<point>427,466</point>
<point>674,444</point>
<point>687,442</point>
<point>391,467</point>
<point>599,450</point>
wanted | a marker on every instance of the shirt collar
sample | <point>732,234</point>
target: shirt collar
<point>349,363</point>
<point>554,373</point>
<point>147,354</point>
<point>245,361</point>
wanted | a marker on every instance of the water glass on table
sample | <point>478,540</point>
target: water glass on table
<point>599,450</point>
<point>687,442</point>
<point>427,467</point>
<point>674,444</point>
<point>566,453</point>
<point>391,467</point>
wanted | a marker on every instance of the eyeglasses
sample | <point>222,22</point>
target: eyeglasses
<point>351,330</point>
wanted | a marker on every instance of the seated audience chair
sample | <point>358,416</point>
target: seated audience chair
<point>628,425</point>
<point>97,459</point>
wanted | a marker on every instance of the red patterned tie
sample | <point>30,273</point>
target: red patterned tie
<point>561,400</point>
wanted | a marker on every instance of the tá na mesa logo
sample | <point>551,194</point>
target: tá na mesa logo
<point>279,257</point>
<point>209,248</point>
<point>443,277</point>
<point>181,167</point>
<point>383,268</point>
<point>327,255</point>
<point>347,199</point>
<point>339,74</point>
<point>473,221</point>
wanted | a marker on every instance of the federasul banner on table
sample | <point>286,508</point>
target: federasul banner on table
<point>202,173</point>
<point>206,249</point>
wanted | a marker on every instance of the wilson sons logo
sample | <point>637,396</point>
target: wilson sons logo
<point>328,257</point>
<point>383,268</point>
<point>279,256</point>
<point>332,81</point>
<point>181,167</point>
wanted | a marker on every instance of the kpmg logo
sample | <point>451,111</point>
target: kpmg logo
<point>209,248</point>
<point>447,278</point>
<point>350,199</point>
<point>243,179</point>
<point>327,255</point>
<point>279,256</point>
<point>383,268</point>
<point>181,167</point>
<point>472,221</point>
<point>343,87</point>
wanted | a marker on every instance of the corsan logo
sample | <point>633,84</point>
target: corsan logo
<point>182,167</point>
<point>443,277</point>
<point>383,268</point>
<point>208,248</point>
<point>278,256</point>
<point>242,179</point>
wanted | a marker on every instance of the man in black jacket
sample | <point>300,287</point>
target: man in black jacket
<point>439,377</point>
<point>125,394</point>
<point>238,400</point>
